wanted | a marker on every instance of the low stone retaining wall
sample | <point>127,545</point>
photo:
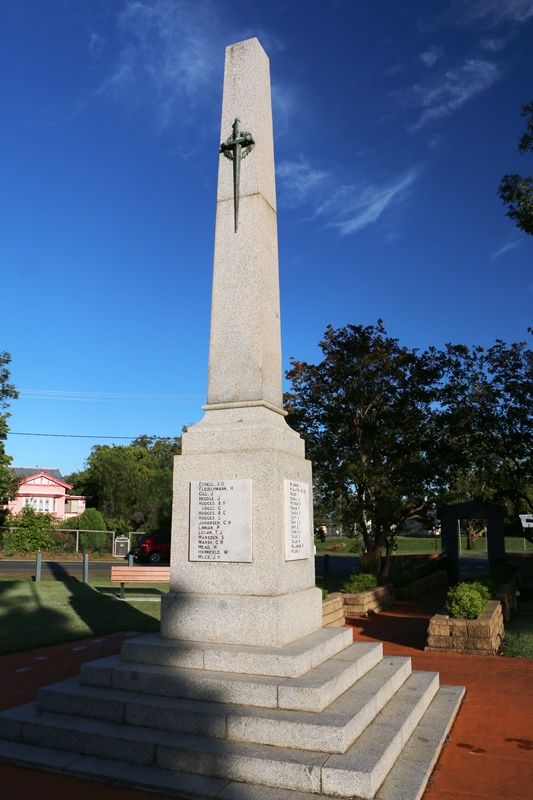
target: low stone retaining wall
<point>480,636</point>
<point>424,584</point>
<point>370,602</point>
<point>333,611</point>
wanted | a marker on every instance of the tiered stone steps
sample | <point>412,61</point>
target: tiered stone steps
<point>322,718</point>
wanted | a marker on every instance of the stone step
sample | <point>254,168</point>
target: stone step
<point>365,765</point>
<point>409,776</point>
<point>292,660</point>
<point>312,691</point>
<point>406,779</point>
<point>332,730</point>
<point>358,772</point>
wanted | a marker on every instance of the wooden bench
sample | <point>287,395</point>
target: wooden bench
<point>121,574</point>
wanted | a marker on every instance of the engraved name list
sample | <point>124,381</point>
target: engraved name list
<point>220,521</point>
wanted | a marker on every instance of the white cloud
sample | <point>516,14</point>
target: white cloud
<point>167,52</point>
<point>352,208</point>
<point>284,104</point>
<point>298,180</point>
<point>96,45</point>
<point>505,248</point>
<point>430,56</point>
<point>494,45</point>
<point>347,208</point>
<point>494,12</point>
<point>455,88</point>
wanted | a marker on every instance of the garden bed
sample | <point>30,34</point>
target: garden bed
<point>372,601</point>
<point>480,636</point>
<point>333,611</point>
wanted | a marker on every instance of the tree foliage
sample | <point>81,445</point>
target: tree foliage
<point>516,191</point>
<point>7,392</point>
<point>486,426</point>
<point>392,430</point>
<point>28,532</point>
<point>366,413</point>
<point>131,485</point>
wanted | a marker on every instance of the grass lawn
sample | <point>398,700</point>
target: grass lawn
<point>343,545</point>
<point>52,612</point>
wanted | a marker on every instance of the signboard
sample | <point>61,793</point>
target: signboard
<point>220,524</point>
<point>297,522</point>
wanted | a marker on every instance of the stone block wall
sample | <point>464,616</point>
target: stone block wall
<point>333,611</point>
<point>480,636</point>
<point>370,602</point>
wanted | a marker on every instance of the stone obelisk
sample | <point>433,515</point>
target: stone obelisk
<point>242,567</point>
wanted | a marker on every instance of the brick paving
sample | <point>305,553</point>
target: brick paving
<point>489,755</point>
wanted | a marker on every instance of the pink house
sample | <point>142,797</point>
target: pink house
<point>45,491</point>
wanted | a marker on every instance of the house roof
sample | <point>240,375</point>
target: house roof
<point>25,472</point>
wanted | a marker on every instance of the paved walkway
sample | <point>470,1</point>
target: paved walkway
<point>489,755</point>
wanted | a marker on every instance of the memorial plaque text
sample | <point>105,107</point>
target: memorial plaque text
<point>220,521</point>
<point>297,527</point>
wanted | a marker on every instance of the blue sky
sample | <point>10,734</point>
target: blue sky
<point>394,122</point>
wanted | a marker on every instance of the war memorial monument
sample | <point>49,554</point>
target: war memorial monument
<point>243,695</point>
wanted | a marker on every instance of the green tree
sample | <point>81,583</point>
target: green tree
<point>8,484</point>
<point>89,520</point>
<point>485,425</point>
<point>131,485</point>
<point>516,191</point>
<point>366,413</point>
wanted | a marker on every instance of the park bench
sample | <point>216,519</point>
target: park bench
<point>123,575</point>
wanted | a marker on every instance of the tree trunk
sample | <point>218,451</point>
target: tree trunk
<point>371,560</point>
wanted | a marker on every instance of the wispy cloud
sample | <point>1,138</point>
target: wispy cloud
<point>96,44</point>
<point>493,12</point>
<point>350,209</point>
<point>505,248</point>
<point>430,56</point>
<point>455,88</point>
<point>299,180</point>
<point>167,53</point>
<point>284,105</point>
<point>494,45</point>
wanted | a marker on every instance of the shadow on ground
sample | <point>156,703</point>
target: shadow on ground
<point>38,614</point>
<point>406,623</point>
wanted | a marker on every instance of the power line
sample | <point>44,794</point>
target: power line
<point>85,435</point>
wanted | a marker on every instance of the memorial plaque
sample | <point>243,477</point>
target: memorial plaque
<point>220,525</point>
<point>297,528</point>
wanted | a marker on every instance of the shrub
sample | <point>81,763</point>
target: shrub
<point>28,532</point>
<point>89,520</point>
<point>464,602</point>
<point>360,582</point>
<point>483,589</point>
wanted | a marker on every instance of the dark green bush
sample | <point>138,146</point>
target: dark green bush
<point>464,602</point>
<point>483,590</point>
<point>360,582</point>
<point>28,532</point>
<point>89,520</point>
